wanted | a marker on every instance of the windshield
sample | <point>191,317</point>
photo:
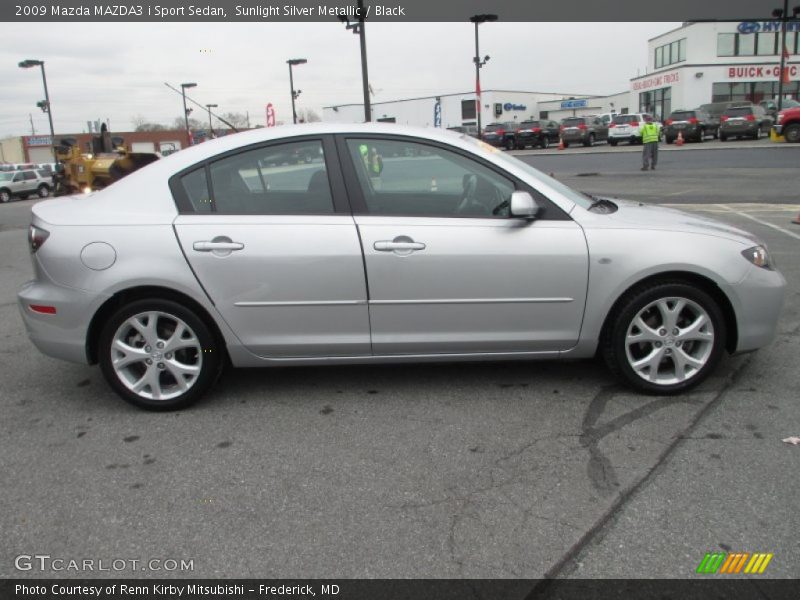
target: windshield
<point>572,122</point>
<point>620,119</point>
<point>562,189</point>
<point>682,115</point>
<point>528,124</point>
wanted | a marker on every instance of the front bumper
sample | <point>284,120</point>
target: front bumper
<point>758,299</point>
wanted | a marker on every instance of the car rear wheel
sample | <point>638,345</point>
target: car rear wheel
<point>158,355</point>
<point>509,144</point>
<point>791,133</point>
<point>43,191</point>
<point>665,338</point>
<point>723,137</point>
<point>668,139</point>
<point>5,196</point>
<point>612,142</point>
<point>545,142</point>
<point>589,141</point>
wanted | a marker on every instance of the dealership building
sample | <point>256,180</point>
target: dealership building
<point>694,64</point>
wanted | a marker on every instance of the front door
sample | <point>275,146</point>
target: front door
<point>448,271</point>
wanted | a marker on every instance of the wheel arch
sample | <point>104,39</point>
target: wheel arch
<point>128,295</point>
<point>694,279</point>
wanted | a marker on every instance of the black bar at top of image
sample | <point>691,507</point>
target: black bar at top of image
<point>702,588</point>
<point>385,11</point>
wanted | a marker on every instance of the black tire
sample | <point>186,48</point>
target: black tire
<point>791,133</point>
<point>43,191</point>
<point>509,144</point>
<point>757,134</point>
<point>723,137</point>
<point>716,133</point>
<point>612,142</point>
<point>566,144</point>
<point>589,141</point>
<point>613,346</point>
<point>210,360</point>
<point>668,139</point>
<point>545,142</point>
<point>5,196</point>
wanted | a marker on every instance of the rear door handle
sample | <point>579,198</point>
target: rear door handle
<point>212,246</point>
<point>391,246</point>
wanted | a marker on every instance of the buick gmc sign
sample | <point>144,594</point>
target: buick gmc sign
<point>749,72</point>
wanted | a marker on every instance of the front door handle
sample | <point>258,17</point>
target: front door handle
<point>391,246</point>
<point>211,246</point>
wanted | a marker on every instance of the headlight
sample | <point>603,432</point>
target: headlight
<point>759,256</point>
<point>780,117</point>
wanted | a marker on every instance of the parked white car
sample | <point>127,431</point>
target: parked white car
<point>625,128</point>
<point>21,184</point>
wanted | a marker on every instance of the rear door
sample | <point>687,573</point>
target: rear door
<point>269,235</point>
<point>449,272</point>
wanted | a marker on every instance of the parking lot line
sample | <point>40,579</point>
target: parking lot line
<point>757,220</point>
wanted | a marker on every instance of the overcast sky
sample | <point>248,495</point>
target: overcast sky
<point>117,71</point>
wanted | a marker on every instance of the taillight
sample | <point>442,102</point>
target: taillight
<point>693,120</point>
<point>537,130</point>
<point>750,117</point>
<point>582,126</point>
<point>723,118</point>
<point>668,122</point>
<point>501,132</point>
<point>561,128</point>
<point>45,309</point>
<point>634,123</point>
<point>518,130</point>
<point>36,237</point>
<point>610,125</point>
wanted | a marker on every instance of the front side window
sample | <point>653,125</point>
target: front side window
<point>280,179</point>
<point>399,177</point>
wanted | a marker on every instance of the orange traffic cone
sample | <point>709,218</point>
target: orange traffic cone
<point>679,141</point>
<point>560,143</point>
<point>796,220</point>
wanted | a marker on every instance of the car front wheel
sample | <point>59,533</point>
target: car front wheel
<point>791,133</point>
<point>43,191</point>
<point>158,355</point>
<point>665,338</point>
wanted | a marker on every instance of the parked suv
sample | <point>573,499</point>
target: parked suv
<point>750,120</point>
<point>22,184</point>
<point>536,133</point>
<point>584,130</point>
<point>694,124</point>
<point>500,134</point>
<point>788,124</point>
<point>625,128</point>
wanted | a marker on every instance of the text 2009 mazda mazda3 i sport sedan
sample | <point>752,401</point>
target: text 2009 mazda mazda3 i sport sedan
<point>362,243</point>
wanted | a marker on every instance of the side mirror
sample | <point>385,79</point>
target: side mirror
<point>523,206</point>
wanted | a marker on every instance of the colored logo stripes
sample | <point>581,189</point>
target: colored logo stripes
<point>734,562</point>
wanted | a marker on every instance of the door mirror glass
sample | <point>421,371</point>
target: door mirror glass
<point>523,205</point>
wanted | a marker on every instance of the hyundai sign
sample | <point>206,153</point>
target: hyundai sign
<point>766,26</point>
<point>574,104</point>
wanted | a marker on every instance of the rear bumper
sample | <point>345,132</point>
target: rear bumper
<point>747,130</point>
<point>61,335</point>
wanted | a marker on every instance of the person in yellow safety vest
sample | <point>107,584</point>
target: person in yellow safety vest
<point>650,135</point>
<point>372,160</point>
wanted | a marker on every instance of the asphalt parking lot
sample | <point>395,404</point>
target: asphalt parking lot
<point>463,471</point>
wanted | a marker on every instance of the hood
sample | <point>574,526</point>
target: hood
<point>648,216</point>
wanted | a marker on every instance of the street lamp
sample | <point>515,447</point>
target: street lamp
<point>478,19</point>
<point>292,62</point>
<point>186,111</point>
<point>44,105</point>
<point>358,29</point>
<point>783,15</point>
<point>210,129</point>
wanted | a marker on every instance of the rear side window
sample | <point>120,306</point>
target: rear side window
<point>280,179</point>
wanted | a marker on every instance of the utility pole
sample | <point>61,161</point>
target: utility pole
<point>33,129</point>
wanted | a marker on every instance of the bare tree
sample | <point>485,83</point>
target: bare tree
<point>238,120</point>
<point>194,124</point>
<point>306,115</point>
<point>140,123</point>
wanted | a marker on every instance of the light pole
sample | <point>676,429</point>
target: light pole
<point>210,129</point>
<point>783,15</point>
<point>478,19</point>
<point>359,30</point>
<point>45,106</point>
<point>186,111</point>
<point>292,62</point>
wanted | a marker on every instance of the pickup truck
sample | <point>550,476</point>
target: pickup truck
<point>787,124</point>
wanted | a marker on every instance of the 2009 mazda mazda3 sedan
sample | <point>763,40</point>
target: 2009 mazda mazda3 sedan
<point>376,243</point>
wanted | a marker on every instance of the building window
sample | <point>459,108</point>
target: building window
<point>468,109</point>
<point>752,91</point>
<point>656,102</point>
<point>726,44</point>
<point>671,53</point>
<point>766,44</point>
<point>754,44</point>
<point>746,45</point>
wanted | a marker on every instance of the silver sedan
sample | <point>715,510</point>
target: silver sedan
<point>323,244</point>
